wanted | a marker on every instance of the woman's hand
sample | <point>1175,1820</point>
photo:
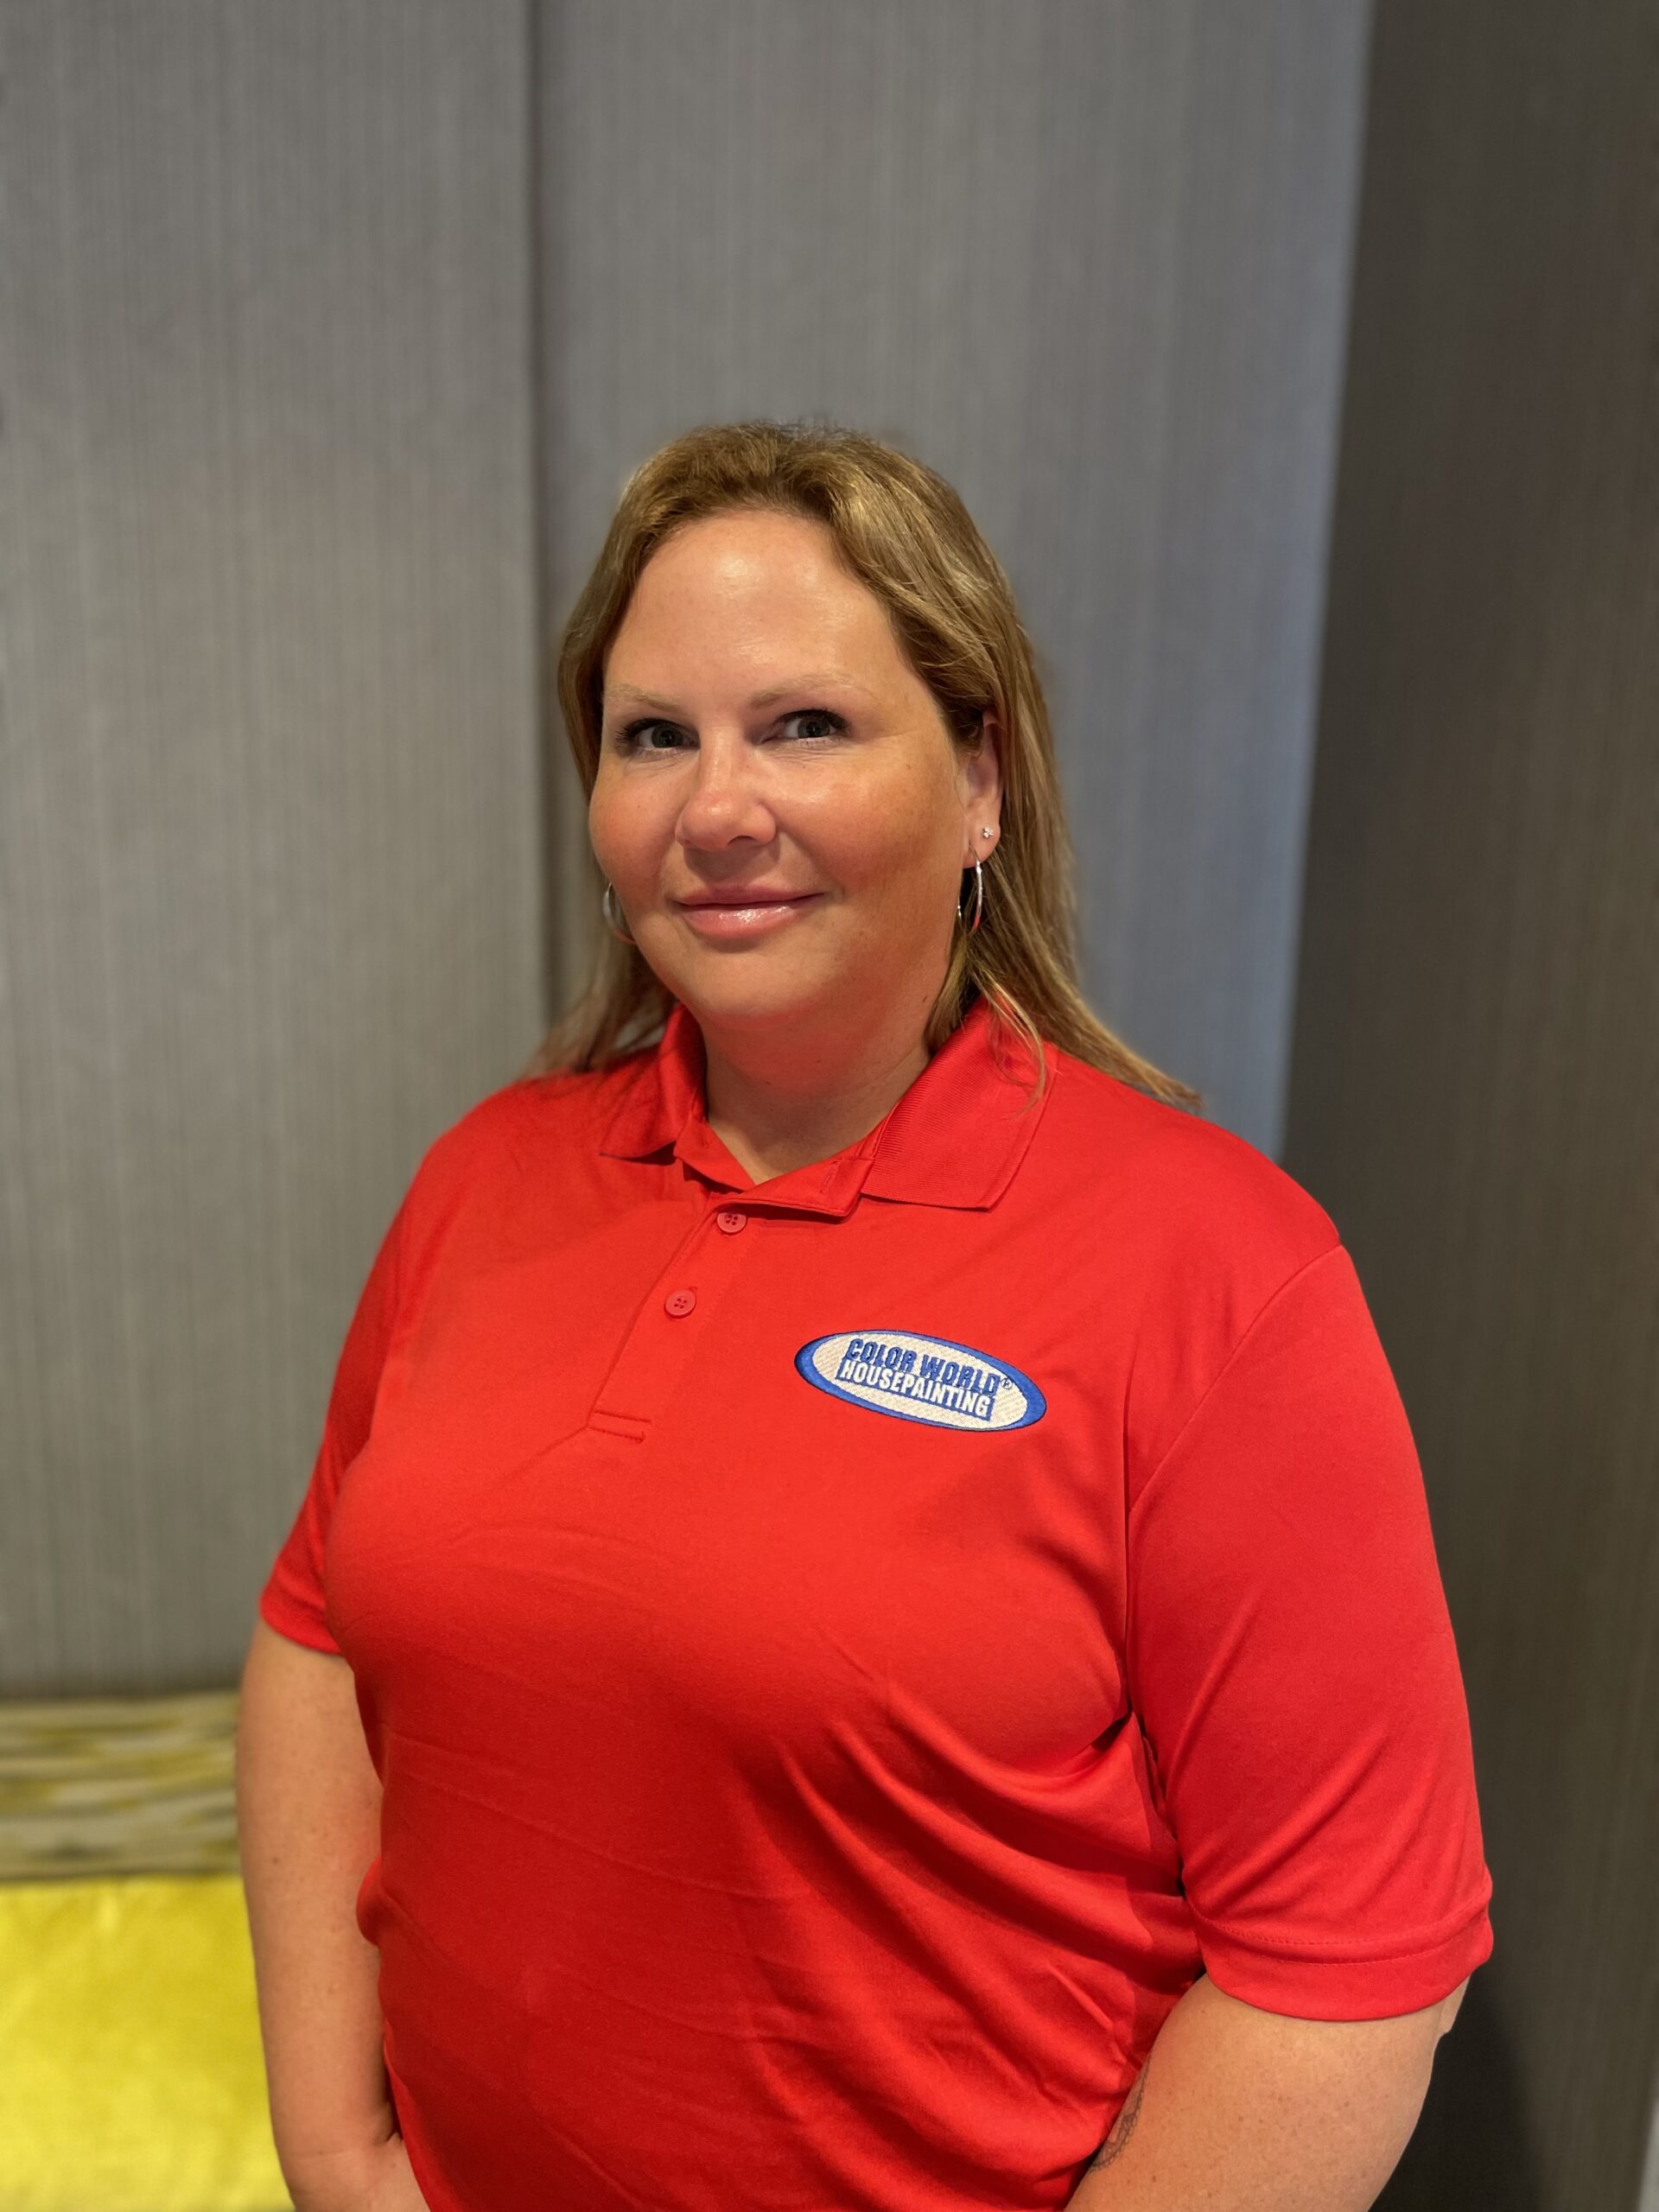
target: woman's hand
<point>379,2179</point>
<point>391,2184</point>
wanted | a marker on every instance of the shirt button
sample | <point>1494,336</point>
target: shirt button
<point>679,1302</point>
<point>731,1221</point>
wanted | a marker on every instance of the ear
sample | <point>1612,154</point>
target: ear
<point>981,778</point>
<point>990,738</point>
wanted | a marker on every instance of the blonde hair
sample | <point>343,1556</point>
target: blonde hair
<point>904,533</point>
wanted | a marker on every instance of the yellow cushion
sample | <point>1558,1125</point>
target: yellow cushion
<point>131,2078</point>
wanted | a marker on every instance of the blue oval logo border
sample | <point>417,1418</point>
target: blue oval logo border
<point>1036,1403</point>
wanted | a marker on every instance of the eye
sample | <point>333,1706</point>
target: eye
<point>629,737</point>
<point>836,722</point>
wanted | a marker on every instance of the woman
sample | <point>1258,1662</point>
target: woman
<point>864,1633</point>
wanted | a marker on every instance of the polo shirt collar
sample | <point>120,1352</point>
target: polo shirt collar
<point>955,1138</point>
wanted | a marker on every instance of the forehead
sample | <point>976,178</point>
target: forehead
<point>764,599</point>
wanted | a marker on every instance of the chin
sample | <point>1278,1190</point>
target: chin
<point>720,993</point>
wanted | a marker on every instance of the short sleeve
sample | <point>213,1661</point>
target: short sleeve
<point>1292,1668</point>
<point>293,1600</point>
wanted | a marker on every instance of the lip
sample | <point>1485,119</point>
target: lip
<point>753,915</point>
<point>748,898</point>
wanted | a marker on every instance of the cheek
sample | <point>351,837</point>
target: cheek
<point>622,830</point>
<point>894,844</point>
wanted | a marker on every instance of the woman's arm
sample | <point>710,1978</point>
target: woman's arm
<point>308,1815</point>
<point>1239,2110</point>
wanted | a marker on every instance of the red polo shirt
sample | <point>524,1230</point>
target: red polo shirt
<point>843,1654</point>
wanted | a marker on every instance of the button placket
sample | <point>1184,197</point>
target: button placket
<point>668,1328</point>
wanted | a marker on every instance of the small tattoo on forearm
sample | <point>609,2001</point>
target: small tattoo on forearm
<point>1123,2126</point>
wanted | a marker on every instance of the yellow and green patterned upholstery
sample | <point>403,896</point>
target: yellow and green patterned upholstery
<point>130,2073</point>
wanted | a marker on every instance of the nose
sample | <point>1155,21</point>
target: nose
<point>726,801</point>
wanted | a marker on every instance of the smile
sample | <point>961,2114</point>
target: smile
<point>759,919</point>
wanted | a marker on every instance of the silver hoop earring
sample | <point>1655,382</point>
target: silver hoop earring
<point>979,892</point>
<point>608,907</point>
<point>979,898</point>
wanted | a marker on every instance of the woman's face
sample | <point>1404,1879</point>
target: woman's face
<point>764,736</point>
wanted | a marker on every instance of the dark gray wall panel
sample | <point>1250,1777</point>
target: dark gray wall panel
<point>270,891</point>
<point>1476,1084</point>
<point>1090,261</point>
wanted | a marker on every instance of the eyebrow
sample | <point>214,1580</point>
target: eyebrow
<point>767,698</point>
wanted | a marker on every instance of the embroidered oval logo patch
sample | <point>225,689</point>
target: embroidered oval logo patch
<point>921,1378</point>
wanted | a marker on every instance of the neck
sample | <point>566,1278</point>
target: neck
<point>784,1095</point>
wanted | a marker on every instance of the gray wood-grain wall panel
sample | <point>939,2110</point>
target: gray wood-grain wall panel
<point>1475,1076</point>
<point>1092,262</point>
<point>304,308</point>
<point>269,873</point>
